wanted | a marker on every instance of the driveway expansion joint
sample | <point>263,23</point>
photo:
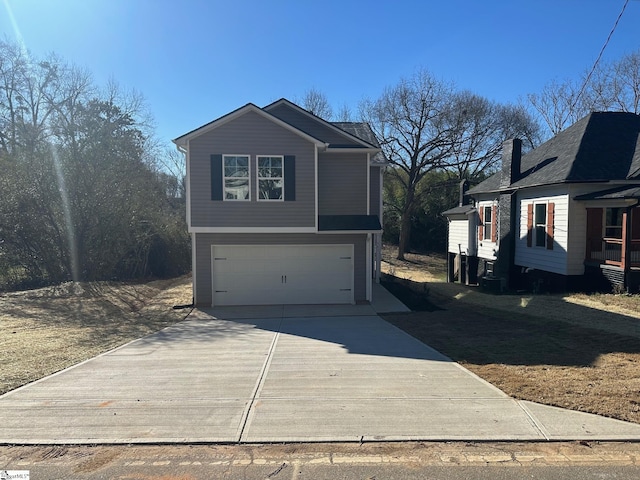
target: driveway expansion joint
<point>247,414</point>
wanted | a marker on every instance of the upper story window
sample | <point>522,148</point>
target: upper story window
<point>487,220</point>
<point>236,177</point>
<point>270,178</point>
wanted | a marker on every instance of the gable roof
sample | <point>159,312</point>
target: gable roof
<point>327,135</point>
<point>601,147</point>
<point>249,107</point>
<point>306,121</point>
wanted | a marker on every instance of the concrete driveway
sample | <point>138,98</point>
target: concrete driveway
<point>281,374</point>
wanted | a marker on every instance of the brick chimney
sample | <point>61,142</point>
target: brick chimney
<point>511,162</point>
<point>464,186</point>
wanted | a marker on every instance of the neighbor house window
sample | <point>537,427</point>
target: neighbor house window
<point>487,220</point>
<point>236,177</point>
<point>540,224</point>
<point>270,178</point>
<point>613,223</point>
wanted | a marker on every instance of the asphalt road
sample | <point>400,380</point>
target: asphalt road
<point>401,461</point>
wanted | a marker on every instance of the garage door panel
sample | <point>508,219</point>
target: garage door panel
<point>282,274</point>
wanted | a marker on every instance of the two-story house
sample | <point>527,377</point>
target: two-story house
<point>283,207</point>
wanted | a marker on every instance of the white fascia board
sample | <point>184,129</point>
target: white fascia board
<point>250,107</point>
<point>253,230</point>
<point>353,150</point>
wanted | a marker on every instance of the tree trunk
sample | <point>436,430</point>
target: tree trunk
<point>405,222</point>
<point>405,234</point>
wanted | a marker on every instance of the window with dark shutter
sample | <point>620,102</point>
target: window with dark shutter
<point>289,178</point>
<point>480,225</point>
<point>550,225</point>
<point>216,177</point>
<point>530,225</point>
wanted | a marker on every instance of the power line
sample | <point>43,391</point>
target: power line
<point>595,64</point>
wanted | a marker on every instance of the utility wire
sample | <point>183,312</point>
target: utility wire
<point>595,64</point>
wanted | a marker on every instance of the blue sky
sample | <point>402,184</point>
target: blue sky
<point>195,60</point>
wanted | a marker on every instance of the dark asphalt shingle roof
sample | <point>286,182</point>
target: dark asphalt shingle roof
<point>600,147</point>
<point>463,210</point>
<point>361,130</point>
<point>618,193</point>
<point>335,223</point>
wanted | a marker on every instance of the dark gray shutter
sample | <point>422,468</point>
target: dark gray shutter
<point>289,178</point>
<point>216,177</point>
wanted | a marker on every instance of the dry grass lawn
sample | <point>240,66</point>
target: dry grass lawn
<point>46,330</point>
<point>574,351</point>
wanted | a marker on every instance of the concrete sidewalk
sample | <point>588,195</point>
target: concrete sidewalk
<point>281,379</point>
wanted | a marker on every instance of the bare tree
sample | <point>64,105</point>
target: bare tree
<point>409,120</point>
<point>616,86</point>
<point>610,87</point>
<point>344,114</point>
<point>316,102</point>
<point>480,127</point>
<point>559,104</point>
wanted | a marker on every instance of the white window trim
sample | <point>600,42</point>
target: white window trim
<point>535,225</point>
<point>258,157</point>
<point>224,178</point>
<point>481,206</point>
<point>485,237</point>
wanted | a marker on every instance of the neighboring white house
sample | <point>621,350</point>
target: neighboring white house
<point>563,216</point>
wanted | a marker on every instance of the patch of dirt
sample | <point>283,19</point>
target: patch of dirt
<point>46,330</point>
<point>574,351</point>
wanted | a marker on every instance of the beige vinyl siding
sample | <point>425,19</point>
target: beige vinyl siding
<point>374,191</point>
<point>458,235</point>
<point>203,242</point>
<point>310,125</point>
<point>541,258</point>
<point>251,134</point>
<point>342,184</point>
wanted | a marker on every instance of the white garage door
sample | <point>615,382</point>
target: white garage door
<point>282,274</point>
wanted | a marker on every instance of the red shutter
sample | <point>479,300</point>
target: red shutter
<point>494,223</point>
<point>550,226</point>
<point>530,225</point>
<point>481,225</point>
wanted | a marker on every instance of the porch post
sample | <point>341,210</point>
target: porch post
<point>626,243</point>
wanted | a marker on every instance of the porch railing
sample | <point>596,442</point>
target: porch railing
<point>610,252</point>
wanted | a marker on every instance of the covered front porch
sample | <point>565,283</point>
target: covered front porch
<point>613,236</point>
